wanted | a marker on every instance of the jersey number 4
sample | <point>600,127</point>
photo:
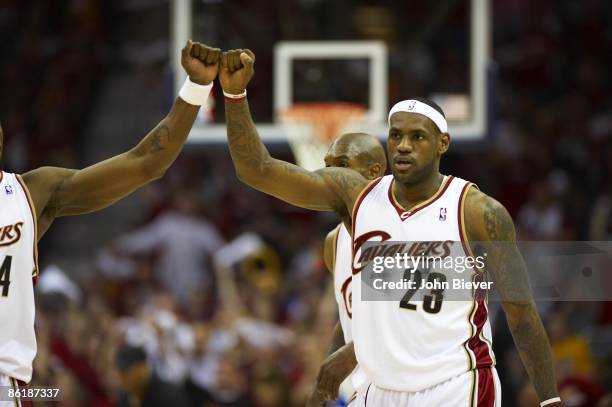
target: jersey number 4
<point>5,275</point>
<point>432,302</point>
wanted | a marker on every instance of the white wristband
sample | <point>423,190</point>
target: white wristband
<point>233,96</point>
<point>550,401</point>
<point>195,94</point>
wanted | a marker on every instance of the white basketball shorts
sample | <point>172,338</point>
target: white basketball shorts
<point>476,388</point>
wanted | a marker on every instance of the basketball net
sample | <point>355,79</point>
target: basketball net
<point>312,127</point>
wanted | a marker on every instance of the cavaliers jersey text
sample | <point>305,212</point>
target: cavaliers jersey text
<point>18,269</point>
<point>411,346</point>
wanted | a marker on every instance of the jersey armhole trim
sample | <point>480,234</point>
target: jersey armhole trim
<point>335,248</point>
<point>26,191</point>
<point>360,199</point>
<point>461,220</point>
<point>467,250</point>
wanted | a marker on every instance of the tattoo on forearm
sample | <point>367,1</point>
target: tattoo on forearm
<point>160,137</point>
<point>498,224</point>
<point>533,347</point>
<point>244,142</point>
<point>504,261</point>
<point>507,267</point>
<point>253,163</point>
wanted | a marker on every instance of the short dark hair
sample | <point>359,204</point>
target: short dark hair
<point>431,103</point>
<point>129,355</point>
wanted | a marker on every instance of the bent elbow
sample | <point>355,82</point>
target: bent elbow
<point>153,171</point>
<point>252,176</point>
<point>157,174</point>
<point>242,176</point>
<point>247,177</point>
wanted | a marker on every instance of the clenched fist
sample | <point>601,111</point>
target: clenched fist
<point>236,70</point>
<point>201,62</point>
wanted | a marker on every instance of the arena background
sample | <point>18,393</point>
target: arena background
<point>84,79</point>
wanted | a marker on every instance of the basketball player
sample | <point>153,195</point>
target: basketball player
<point>429,353</point>
<point>362,153</point>
<point>30,203</point>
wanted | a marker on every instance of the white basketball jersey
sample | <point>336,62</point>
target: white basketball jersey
<point>343,255</point>
<point>18,269</point>
<point>417,345</point>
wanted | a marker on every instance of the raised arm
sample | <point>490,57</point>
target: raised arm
<point>328,189</point>
<point>490,230</point>
<point>61,192</point>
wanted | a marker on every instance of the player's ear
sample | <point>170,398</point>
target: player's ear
<point>375,171</point>
<point>443,143</point>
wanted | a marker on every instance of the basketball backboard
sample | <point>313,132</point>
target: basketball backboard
<point>466,107</point>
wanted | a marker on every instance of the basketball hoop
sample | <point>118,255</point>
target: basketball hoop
<point>312,127</point>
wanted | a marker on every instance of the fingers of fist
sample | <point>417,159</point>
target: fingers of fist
<point>202,52</point>
<point>232,60</point>
<point>235,59</point>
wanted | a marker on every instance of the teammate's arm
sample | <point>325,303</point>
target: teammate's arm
<point>61,192</point>
<point>491,230</point>
<point>328,189</point>
<point>335,368</point>
<point>320,394</point>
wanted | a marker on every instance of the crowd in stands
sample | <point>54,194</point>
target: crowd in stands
<point>163,314</point>
<point>53,58</point>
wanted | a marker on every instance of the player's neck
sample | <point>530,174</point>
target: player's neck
<point>409,195</point>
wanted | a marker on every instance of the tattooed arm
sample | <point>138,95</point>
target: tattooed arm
<point>490,230</point>
<point>328,189</point>
<point>61,192</point>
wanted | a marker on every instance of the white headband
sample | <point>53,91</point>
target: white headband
<point>414,106</point>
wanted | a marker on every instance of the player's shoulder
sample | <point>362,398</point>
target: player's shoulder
<point>46,175</point>
<point>4,176</point>
<point>42,181</point>
<point>344,179</point>
<point>485,217</point>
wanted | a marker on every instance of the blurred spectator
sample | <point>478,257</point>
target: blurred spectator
<point>600,227</point>
<point>580,392</point>
<point>231,385</point>
<point>141,385</point>
<point>54,280</point>
<point>541,218</point>
<point>182,240</point>
<point>270,387</point>
<point>571,351</point>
